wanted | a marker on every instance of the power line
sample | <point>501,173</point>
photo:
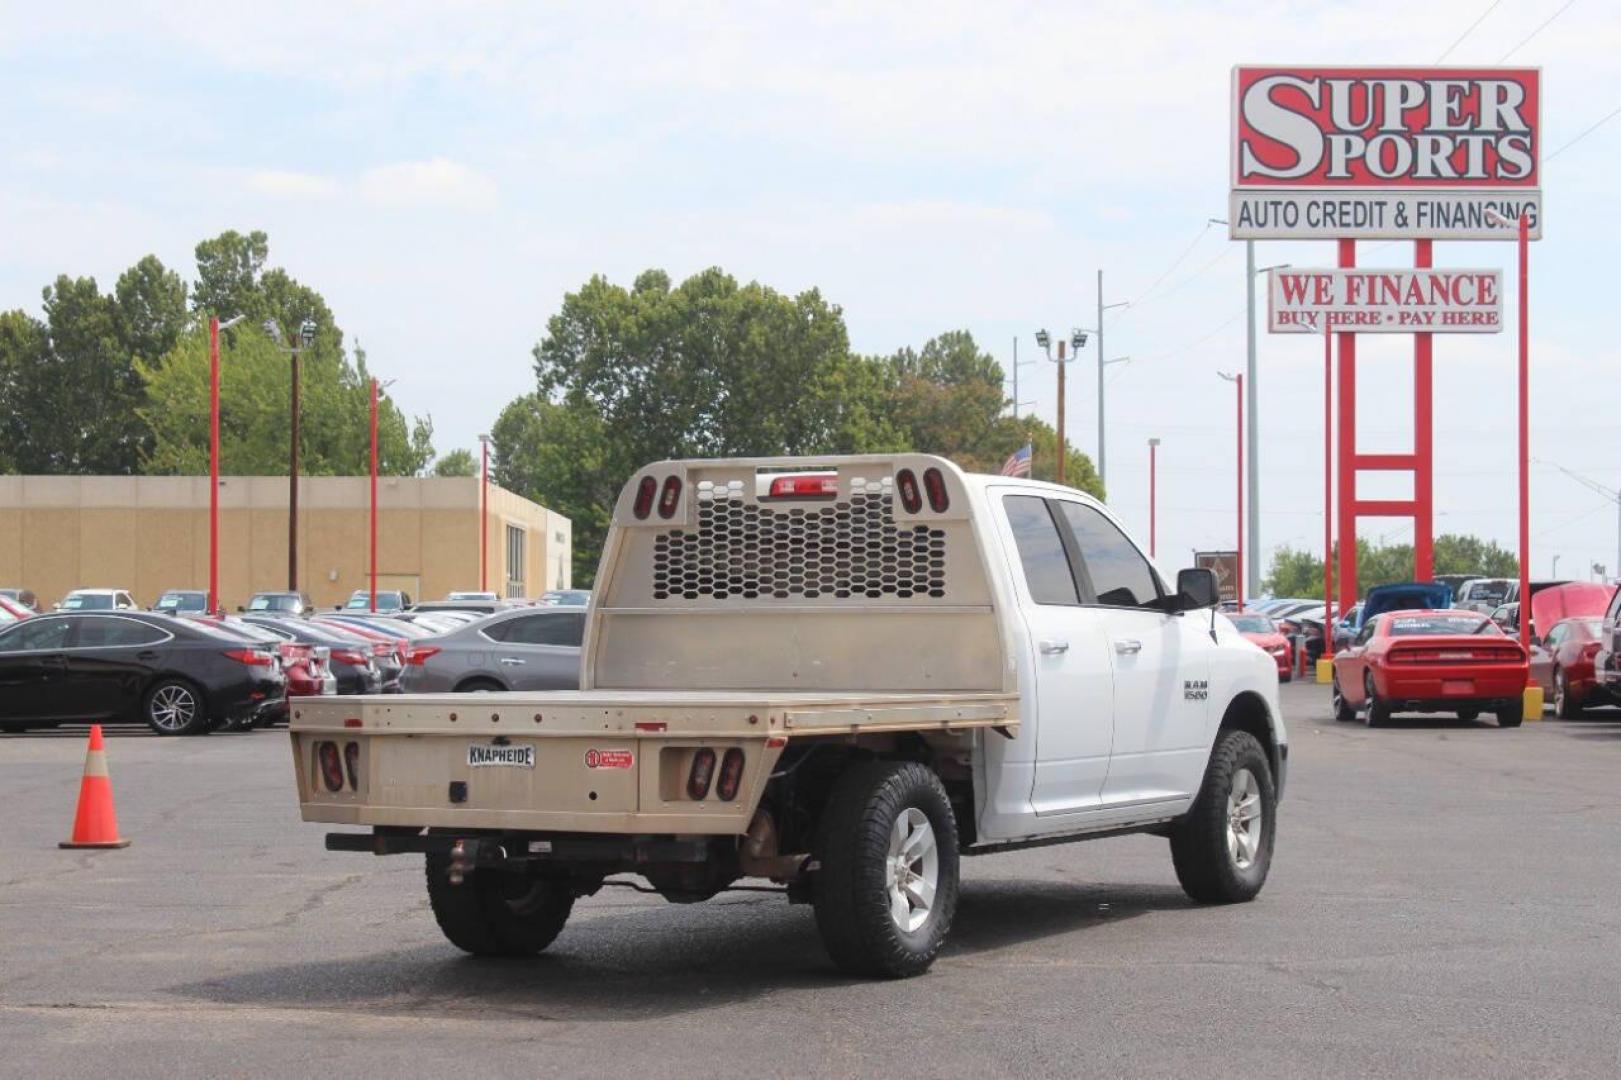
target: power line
<point>1169,270</point>
<point>1490,8</point>
<point>1538,30</point>
<point>1605,119</point>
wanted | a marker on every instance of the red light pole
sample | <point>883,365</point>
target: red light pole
<point>484,517</point>
<point>374,494</point>
<point>214,328</point>
<point>1153,493</point>
<point>1328,491</point>
<point>1525,432</point>
<point>1238,584</point>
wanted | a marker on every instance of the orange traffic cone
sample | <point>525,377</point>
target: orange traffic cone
<point>96,824</point>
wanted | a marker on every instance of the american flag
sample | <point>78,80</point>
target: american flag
<point>1018,462</point>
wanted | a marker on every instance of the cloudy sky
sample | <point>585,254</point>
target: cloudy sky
<point>443,173</point>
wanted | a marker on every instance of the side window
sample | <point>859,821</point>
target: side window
<point>36,635</point>
<point>546,630</point>
<point>1556,636</point>
<point>1120,575</point>
<point>1365,635</point>
<point>1046,566</point>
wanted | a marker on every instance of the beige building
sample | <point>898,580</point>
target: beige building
<point>150,533</point>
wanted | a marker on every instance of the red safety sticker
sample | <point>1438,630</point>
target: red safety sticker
<point>609,759</point>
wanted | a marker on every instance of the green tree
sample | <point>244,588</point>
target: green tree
<point>150,309</point>
<point>1294,573</point>
<point>458,462</point>
<point>1300,574</point>
<point>255,390</point>
<point>556,454</point>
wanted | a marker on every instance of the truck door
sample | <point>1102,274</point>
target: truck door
<point>1069,662</point>
<point>1160,666</point>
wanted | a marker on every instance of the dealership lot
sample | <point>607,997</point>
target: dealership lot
<point>1443,901</point>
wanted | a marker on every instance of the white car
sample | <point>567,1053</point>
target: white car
<point>840,680</point>
<point>98,600</point>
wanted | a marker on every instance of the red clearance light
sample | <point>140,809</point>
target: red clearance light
<point>351,721</point>
<point>251,657</point>
<point>644,498</point>
<point>820,486</point>
<point>911,497</point>
<point>331,765</point>
<point>670,496</point>
<point>935,484</point>
<point>651,725</point>
<point>421,654</point>
<point>731,775</point>
<point>776,742</point>
<point>703,770</point>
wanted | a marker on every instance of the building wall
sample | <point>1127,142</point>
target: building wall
<point>150,533</point>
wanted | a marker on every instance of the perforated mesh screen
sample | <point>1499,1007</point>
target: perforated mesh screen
<point>849,548</point>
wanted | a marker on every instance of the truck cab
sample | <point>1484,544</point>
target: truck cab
<point>840,675</point>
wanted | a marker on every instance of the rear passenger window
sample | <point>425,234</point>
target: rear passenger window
<point>1046,566</point>
<point>100,633</point>
<point>559,629</point>
<point>1121,577</point>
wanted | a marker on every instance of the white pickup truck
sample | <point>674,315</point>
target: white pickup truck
<point>840,675</point>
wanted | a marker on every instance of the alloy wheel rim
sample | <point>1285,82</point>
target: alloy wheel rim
<point>911,870</point>
<point>173,707</point>
<point>1559,691</point>
<point>1244,819</point>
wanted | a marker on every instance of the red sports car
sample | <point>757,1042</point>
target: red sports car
<point>1264,633</point>
<point>1430,661</point>
<point>1563,664</point>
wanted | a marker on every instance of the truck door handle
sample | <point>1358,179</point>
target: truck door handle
<point>1128,645</point>
<point>1053,647</point>
<point>512,660</point>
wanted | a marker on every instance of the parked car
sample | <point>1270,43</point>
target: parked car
<point>1455,582</point>
<point>472,595</point>
<point>1430,661</point>
<point>350,657</point>
<point>1552,601</point>
<point>98,600</point>
<point>389,651</point>
<point>1400,596</point>
<point>1562,664</point>
<point>285,603</point>
<point>565,598</point>
<point>1607,661</point>
<point>526,649</point>
<point>305,666</point>
<point>1485,594</point>
<point>22,598</point>
<point>387,600</point>
<point>1264,634</point>
<point>475,606</point>
<point>178,676</point>
<point>11,611</point>
<point>182,602</point>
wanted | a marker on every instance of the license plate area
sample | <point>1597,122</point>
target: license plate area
<point>486,755</point>
<point>1457,687</point>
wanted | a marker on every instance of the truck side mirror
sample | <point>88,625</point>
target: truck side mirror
<point>1196,588</point>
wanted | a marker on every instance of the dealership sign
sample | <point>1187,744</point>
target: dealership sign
<point>1386,301</point>
<point>1384,153</point>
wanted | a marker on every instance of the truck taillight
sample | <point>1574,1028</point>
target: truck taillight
<point>644,498</point>
<point>670,496</point>
<point>703,771</point>
<point>351,764</point>
<point>806,487</point>
<point>326,755</point>
<point>934,482</point>
<point>911,497</point>
<point>731,775</point>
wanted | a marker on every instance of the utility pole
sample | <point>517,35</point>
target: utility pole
<point>1104,362</point>
<point>1062,445</point>
<point>294,346</point>
<point>1017,364</point>
<point>1238,582</point>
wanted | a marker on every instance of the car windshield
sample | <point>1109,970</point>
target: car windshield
<point>182,602</point>
<point>264,602</point>
<point>87,602</point>
<point>1421,625</point>
<point>1487,592</point>
<point>1253,624</point>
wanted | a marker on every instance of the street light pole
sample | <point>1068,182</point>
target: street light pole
<point>484,517</point>
<point>214,328</point>
<point>1153,495</point>
<point>1238,577</point>
<point>294,347</point>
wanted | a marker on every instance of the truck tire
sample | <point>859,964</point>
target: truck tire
<point>886,887</point>
<point>1222,849</point>
<point>496,912</point>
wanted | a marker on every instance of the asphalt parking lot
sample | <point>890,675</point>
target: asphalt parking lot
<point>1445,900</point>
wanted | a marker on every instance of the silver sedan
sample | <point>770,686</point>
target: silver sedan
<point>522,649</point>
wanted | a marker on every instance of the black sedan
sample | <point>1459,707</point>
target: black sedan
<point>351,660</point>
<point>178,676</point>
